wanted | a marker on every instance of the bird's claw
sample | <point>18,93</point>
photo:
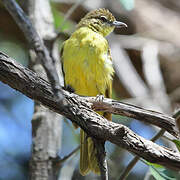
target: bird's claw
<point>99,98</point>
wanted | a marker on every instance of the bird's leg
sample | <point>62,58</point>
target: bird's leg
<point>99,98</point>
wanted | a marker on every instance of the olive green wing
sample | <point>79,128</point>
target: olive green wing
<point>108,92</point>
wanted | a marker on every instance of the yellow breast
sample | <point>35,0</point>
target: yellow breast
<point>86,62</point>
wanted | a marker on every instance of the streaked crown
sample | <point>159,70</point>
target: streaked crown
<point>101,21</point>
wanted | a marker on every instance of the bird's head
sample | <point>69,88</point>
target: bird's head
<point>101,21</point>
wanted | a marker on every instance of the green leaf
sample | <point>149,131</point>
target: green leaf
<point>177,143</point>
<point>154,165</point>
<point>128,4</point>
<point>162,174</point>
<point>155,173</point>
<point>169,174</point>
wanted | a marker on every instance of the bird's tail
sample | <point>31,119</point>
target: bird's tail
<point>88,160</point>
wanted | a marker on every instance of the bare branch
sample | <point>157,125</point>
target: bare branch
<point>127,73</point>
<point>36,43</point>
<point>152,117</point>
<point>101,157</point>
<point>129,167</point>
<point>59,161</point>
<point>137,42</point>
<point>153,75</point>
<point>79,111</point>
<point>42,19</point>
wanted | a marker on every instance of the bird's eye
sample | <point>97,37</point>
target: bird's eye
<point>103,18</point>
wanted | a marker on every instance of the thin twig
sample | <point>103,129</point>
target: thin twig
<point>158,135</point>
<point>128,168</point>
<point>177,118</point>
<point>60,161</point>
<point>176,113</point>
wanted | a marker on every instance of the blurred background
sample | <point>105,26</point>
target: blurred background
<point>146,58</point>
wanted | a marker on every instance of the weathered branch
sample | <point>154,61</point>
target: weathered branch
<point>46,124</point>
<point>36,43</point>
<point>101,157</point>
<point>152,117</point>
<point>79,111</point>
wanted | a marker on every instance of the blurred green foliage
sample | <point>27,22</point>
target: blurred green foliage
<point>177,143</point>
<point>128,4</point>
<point>59,22</point>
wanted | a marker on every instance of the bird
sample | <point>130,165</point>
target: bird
<point>88,71</point>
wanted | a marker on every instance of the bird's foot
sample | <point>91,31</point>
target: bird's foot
<point>99,98</point>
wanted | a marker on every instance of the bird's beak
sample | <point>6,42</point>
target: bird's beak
<point>119,24</point>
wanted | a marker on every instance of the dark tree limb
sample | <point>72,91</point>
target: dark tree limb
<point>35,43</point>
<point>79,111</point>
<point>46,124</point>
<point>101,157</point>
<point>43,93</point>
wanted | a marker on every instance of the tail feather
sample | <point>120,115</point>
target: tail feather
<point>88,153</point>
<point>92,153</point>
<point>88,160</point>
<point>84,160</point>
